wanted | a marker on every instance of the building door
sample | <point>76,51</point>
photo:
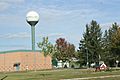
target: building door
<point>17,66</point>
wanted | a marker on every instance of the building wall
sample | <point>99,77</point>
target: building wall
<point>27,60</point>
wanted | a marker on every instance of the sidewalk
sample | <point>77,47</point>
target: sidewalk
<point>86,78</point>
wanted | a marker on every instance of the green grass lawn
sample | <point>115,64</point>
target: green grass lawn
<point>58,74</point>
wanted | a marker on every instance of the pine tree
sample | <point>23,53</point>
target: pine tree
<point>110,46</point>
<point>91,42</point>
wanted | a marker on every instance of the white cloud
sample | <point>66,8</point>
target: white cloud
<point>56,15</point>
<point>107,25</point>
<point>7,46</point>
<point>107,2</point>
<point>12,1</point>
<point>14,47</point>
<point>23,35</point>
<point>49,13</point>
<point>15,35</point>
<point>51,35</point>
<point>5,4</point>
<point>55,34</point>
<point>12,20</point>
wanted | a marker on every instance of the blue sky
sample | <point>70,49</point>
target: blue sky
<point>58,18</point>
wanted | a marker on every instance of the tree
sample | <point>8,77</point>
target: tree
<point>111,44</point>
<point>46,47</point>
<point>106,47</point>
<point>115,45</point>
<point>70,51</point>
<point>65,50</point>
<point>91,43</point>
<point>82,55</point>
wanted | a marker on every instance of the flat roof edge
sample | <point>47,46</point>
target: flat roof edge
<point>11,51</point>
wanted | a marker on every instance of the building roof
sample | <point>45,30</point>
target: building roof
<point>12,51</point>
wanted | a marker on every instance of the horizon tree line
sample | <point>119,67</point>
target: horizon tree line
<point>95,46</point>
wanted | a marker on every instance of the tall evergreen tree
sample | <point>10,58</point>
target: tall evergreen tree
<point>91,42</point>
<point>116,44</point>
<point>110,45</point>
<point>106,47</point>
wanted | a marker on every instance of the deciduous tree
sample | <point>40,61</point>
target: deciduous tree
<point>65,50</point>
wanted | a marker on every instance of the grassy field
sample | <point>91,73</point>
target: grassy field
<point>58,74</point>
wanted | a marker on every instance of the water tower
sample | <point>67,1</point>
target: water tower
<point>32,18</point>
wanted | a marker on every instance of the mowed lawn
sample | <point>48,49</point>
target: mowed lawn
<point>58,74</point>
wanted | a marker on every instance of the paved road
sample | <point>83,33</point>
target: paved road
<point>86,78</point>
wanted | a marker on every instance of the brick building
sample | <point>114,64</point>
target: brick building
<point>21,60</point>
